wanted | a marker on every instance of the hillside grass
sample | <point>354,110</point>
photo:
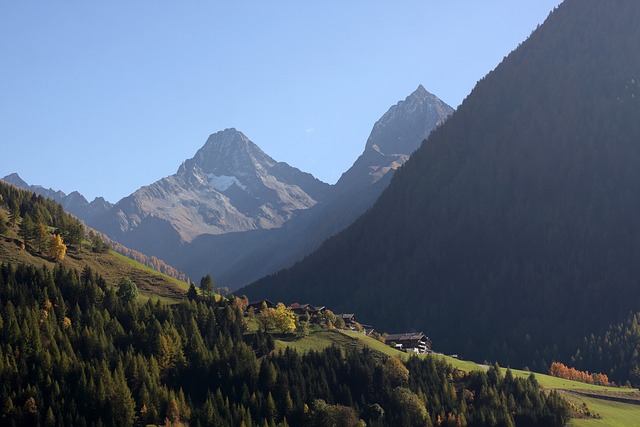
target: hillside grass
<point>178,283</point>
<point>317,341</point>
<point>555,383</point>
<point>613,414</point>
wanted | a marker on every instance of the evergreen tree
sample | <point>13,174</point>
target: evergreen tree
<point>40,236</point>
<point>127,290</point>
<point>192,293</point>
<point>26,229</point>
<point>14,212</point>
<point>207,287</point>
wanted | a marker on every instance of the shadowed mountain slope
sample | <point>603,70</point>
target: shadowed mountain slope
<point>515,226</point>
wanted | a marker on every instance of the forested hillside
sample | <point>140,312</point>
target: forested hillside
<point>616,352</point>
<point>513,231</point>
<point>75,352</point>
<point>37,231</point>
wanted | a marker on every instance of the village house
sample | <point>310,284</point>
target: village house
<point>349,320</point>
<point>412,342</point>
<point>257,306</point>
<point>309,309</point>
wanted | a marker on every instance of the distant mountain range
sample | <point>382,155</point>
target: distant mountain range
<point>74,203</point>
<point>244,257</point>
<point>513,232</point>
<point>230,185</point>
<point>236,213</point>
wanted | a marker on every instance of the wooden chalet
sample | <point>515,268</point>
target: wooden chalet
<point>412,342</point>
<point>259,305</point>
<point>309,309</point>
<point>349,320</point>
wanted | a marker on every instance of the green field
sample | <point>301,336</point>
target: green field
<point>613,413</point>
<point>179,283</point>
<point>318,341</point>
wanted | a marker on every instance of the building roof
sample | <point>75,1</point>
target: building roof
<point>305,307</point>
<point>260,302</point>
<point>407,336</point>
<point>346,316</point>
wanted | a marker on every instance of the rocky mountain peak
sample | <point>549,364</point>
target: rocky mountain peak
<point>15,180</point>
<point>419,114</point>
<point>228,153</point>
<point>397,134</point>
<point>229,185</point>
<point>74,203</point>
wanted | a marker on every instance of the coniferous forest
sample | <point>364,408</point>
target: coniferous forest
<point>74,352</point>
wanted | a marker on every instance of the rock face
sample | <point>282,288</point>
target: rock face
<point>241,258</point>
<point>74,203</point>
<point>230,185</point>
<point>397,134</point>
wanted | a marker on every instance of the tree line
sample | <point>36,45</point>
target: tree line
<point>43,224</point>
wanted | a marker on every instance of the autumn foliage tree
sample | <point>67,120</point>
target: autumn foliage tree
<point>279,319</point>
<point>56,248</point>
<point>560,370</point>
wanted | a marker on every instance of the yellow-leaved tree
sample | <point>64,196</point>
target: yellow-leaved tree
<point>280,319</point>
<point>57,249</point>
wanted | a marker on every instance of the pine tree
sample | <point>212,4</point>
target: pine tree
<point>207,287</point>
<point>14,212</point>
<point>26,229</point>
<point>192,293</point>
<point>40,234</point>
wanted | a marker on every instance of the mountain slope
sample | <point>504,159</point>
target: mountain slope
<point>514,227</point>
<point>236,259</point>
<point>110,265</point>
<point>229,185</point>
<point>394,137</point>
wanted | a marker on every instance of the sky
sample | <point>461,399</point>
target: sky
<point>106,97</point>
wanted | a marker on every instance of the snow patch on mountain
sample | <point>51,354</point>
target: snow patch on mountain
<point>223,182</point>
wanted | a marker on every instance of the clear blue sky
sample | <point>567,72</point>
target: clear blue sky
<point>105,97</point>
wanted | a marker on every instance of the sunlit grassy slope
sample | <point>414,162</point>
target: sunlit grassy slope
<point>612,414</point>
